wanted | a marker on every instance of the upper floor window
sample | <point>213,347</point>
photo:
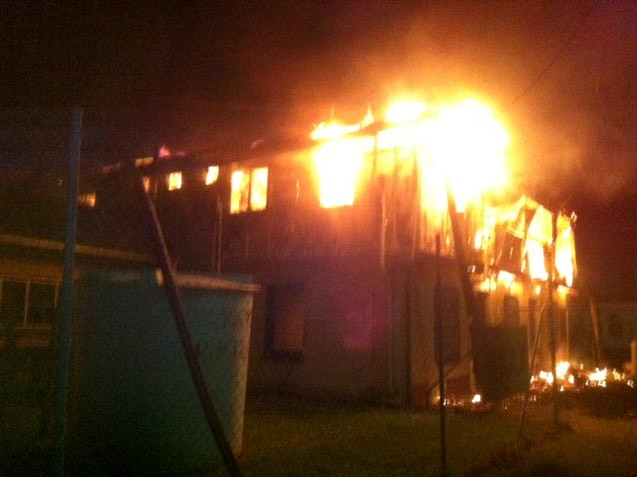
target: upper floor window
<point>212,174</point>
<point>88,200</point>
<point>174,180</point>
<point>249,190</point>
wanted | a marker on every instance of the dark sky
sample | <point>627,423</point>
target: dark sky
<point>562,75</point>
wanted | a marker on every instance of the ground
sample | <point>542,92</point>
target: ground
<point>294,437</point>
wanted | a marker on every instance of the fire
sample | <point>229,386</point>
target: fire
<point>405,111</point>
<point>565,250</point>
<point>462,146</point>
<point>469,144</point>
<point>561,369</point>
<point>598,377</point>
<point>259,188</point>
<point>338,165</point>
<point>333,130</point>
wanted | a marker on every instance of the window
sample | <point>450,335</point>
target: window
<point>285,325</point>
<point>12,302</point>
<point>144,161</point>
<point>212,174</point>
<point>174,180</point>
<point>24,302</point>
<point>249,190</point>
<point>88,200</point>
<point>41,304</point>
<point>259,188</point>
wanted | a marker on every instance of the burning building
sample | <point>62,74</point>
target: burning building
<point>355,231</point>
<point>359,234</point>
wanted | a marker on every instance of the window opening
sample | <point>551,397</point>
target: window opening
<point>285,322</point>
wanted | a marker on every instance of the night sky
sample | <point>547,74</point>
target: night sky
<point>561,75</point>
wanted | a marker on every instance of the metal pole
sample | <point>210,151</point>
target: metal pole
<point>440,355</point>
<point>66,307</point>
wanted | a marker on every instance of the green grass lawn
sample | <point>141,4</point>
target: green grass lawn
<point>296,438</point>
<point>292,437</point>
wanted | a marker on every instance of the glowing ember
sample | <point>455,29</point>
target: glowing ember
<point>598,377</point>
<point>476,399</point>
<point>561,369</point>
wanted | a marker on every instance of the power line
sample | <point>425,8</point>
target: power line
<point>553,61</point>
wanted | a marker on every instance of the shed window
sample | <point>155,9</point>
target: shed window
<point>25,302</point>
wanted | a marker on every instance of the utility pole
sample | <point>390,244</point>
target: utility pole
<point>553,322</point>
<point>441,359</point>
<point>66,308</point>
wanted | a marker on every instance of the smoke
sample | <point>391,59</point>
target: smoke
<point>560,75</point>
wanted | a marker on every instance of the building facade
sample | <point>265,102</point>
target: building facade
<point>358,237</point>
<point>361,236</point>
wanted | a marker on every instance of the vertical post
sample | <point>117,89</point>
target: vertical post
<point>219,247</point>
<point>553,323</point>
<point>438,332</point>
<point>66,306</point>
